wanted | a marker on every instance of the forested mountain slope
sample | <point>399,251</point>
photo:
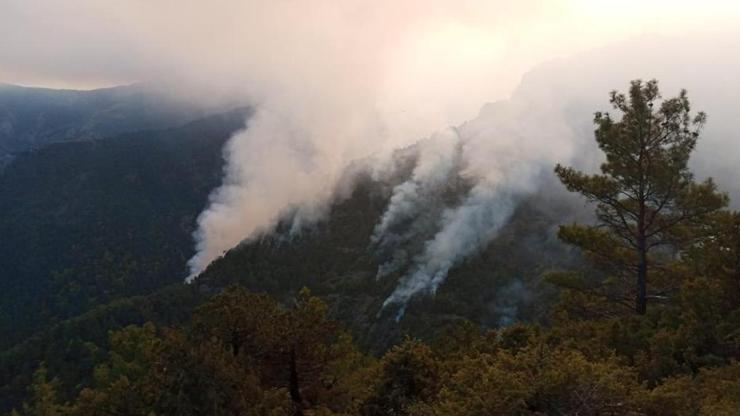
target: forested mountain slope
<point>84,223</point>
<point>336,261</point>
<point>333,258</point>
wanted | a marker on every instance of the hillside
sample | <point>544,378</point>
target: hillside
<point>146,249</point>
<point>88,222</point>
<point>335,260</point>
<point>101,232</point>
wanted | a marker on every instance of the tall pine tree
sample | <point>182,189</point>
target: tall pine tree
<point>646,195</point>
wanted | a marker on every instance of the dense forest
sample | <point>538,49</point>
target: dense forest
<point>88,222</point>
<point>633,312</point>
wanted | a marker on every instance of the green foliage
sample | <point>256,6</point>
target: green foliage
<point>525,371</point>
<point>714,391</point>
<point>646,196</point>
<point>43,398</point>
<point>99,266</point>
<point>409,373</point>
<point>246,354</point>
<point>242,354</point>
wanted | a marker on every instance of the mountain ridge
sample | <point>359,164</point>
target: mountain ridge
<point>31,117</point>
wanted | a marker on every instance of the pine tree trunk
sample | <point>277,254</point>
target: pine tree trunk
<point>294,389</point>
<point>641,292</point>
<point>641,284</point>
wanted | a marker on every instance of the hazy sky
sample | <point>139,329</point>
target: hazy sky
<point>404,51</point>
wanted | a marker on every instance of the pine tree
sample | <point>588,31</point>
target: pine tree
<point>43,400</point>
<point>409,375</point>
<point>646,195</point>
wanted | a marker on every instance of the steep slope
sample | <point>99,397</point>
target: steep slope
<point>337,262</point>
<point>87,222</point>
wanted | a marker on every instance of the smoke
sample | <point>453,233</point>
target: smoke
<point>510,148</point>
<point>278,164</point>
<point>333,82</point>
<point>344,83</point>
<point>465,230</point>
<point>509,300</point>
<point>435,163</point>
<point>412,202</point>
<point>506,151</point>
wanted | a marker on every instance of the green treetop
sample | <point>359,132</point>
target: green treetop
<point>646,195</point>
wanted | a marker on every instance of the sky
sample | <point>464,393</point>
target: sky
<point>408,53</point>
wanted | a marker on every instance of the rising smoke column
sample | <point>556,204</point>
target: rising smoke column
<point>284,162</point>
<point>465,230</point>
<point>269,169</point>
<point>437,160</point>
<point>336,83</point>
<point>513,144</point>
<point>506,151</point>
<point>331,83</point>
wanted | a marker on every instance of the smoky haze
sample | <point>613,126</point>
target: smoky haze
<point>510,148</point>
<point>333,82</point>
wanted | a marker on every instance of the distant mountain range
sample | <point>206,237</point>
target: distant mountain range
<point>33,117</point>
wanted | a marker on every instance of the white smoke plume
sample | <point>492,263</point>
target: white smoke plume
<point>513,144</point>
<point>506,150</point>
<point>465,230</point>
<point>335,83</point>
<point>437,160</point>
